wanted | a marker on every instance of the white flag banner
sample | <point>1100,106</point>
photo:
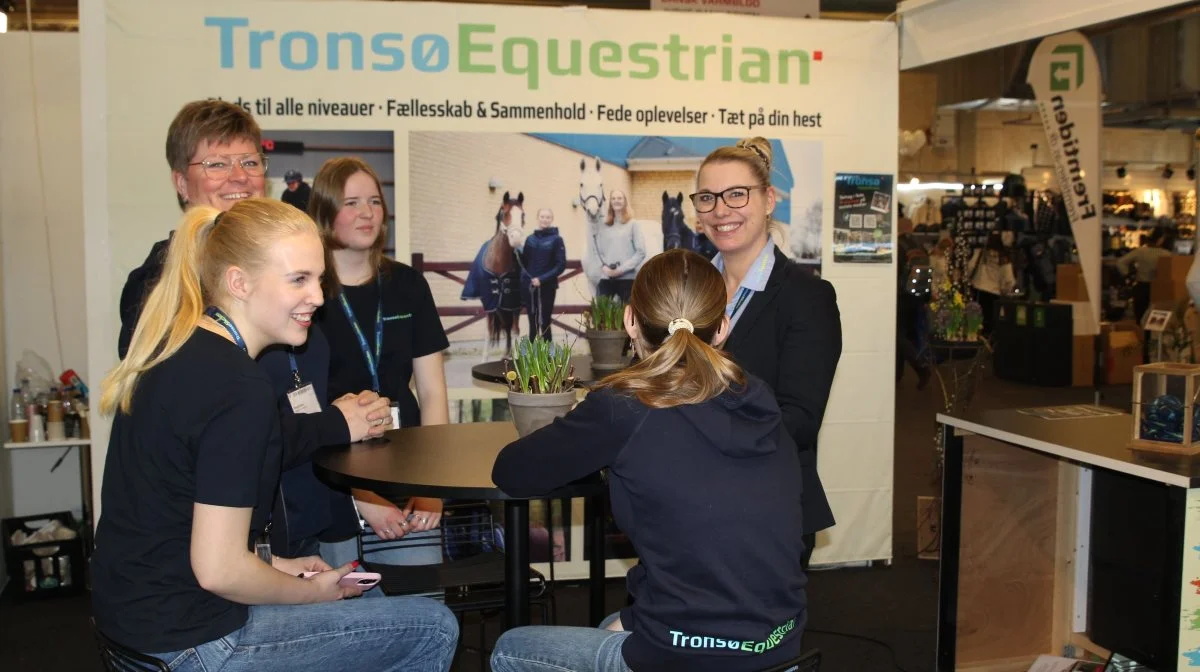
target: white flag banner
<point>797,9</point>
<point>1065,77</point>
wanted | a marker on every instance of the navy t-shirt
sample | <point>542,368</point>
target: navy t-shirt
<point>411,329</point>
<point>203,428</point>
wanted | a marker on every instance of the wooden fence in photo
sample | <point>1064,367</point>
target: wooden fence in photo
<point>457,272</point>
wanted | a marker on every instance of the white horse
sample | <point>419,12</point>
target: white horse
<point>592,198</point>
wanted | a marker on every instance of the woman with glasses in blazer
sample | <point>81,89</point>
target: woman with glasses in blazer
<point>786,328</point>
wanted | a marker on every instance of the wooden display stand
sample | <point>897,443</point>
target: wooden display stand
<point>1156,379</point>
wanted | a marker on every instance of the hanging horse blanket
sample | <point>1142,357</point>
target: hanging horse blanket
<point>496,291</point>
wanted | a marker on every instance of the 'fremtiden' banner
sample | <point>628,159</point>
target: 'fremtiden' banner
<point>1065,78</point>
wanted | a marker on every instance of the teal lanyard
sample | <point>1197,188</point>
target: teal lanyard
<point>372,360</point>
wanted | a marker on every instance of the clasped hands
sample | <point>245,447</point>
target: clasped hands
<point>367,414</point>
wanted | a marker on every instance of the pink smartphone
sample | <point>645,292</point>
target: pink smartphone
<point>362,580</point>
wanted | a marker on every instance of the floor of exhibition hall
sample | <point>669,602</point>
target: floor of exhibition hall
<point>894,605</point>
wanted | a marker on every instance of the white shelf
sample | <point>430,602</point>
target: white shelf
<point>65,443</point>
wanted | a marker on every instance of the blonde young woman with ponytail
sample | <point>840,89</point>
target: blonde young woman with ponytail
<point>193,464</point>
<point>702,474</point>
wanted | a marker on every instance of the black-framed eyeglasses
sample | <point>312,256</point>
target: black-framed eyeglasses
<point>221,166</point>
<point>734,197</point>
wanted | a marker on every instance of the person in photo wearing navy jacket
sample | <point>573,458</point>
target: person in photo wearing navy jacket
<point>704,477</point>
<point>543,258</point>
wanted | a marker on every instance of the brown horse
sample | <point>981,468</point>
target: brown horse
<point>503,306</point>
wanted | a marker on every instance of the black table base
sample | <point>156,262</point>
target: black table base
<point>516,562</point>
<point>594,528</point>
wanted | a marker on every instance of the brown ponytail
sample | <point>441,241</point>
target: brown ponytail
<point>679,368</point>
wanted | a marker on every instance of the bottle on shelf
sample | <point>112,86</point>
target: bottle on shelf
<point>18,423</point>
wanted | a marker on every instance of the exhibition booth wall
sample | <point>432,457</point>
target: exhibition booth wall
<point>110,197</point>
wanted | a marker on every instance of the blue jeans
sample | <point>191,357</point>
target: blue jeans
<point>548,648</point>
<point>412,634</point>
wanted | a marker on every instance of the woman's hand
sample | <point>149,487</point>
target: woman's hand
<point>386,519</point>
<point>367,414</point>
<point>326,582</point>
<point>423,513</point>
<point>297,566</point>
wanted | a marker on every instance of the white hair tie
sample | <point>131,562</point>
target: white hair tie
<point>680,323</point>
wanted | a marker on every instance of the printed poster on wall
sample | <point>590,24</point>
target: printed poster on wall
<point>489,125</point>
<point>862,219</point>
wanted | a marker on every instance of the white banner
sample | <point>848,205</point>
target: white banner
<point>797,9</point>
<point>1065,77</point>
<point>455,105</point>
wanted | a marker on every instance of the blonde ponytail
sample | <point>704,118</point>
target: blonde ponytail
<point>171,312</point>
<point>206,243</point>
<point>681,367</point>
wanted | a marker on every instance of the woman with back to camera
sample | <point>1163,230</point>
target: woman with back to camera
<point>704,478</point>
<point>786,328</point>
<point>616,250</point>
<point>384,332</point>
<point>194,459</point>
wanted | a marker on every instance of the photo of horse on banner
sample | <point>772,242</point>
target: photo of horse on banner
<point>614,200</point>
<point>495,277</point>
<point>676,232</point>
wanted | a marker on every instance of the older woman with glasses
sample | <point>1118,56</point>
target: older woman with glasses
<point>214,151</point>
<point>785,326</point>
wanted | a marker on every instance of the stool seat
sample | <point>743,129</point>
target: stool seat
<point>120,658</point>
<point>808,662</point>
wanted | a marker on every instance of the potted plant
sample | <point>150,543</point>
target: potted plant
<point>606,335</point>
<point>541,385</point>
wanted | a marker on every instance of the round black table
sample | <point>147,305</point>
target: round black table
<point>455,462</point>
<point>493,372</point>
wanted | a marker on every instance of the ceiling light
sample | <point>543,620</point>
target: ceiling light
<point>1167,172</point>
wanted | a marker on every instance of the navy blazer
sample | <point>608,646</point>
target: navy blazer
<point>790,335</point>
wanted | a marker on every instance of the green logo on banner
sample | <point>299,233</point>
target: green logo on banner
<point>1073,61</point>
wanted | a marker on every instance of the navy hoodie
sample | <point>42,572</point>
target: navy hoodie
<point>707,494</point>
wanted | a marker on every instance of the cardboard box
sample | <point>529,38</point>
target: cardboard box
<point>1123,351</point>
<point>1069,285</point>
<point>1082,322</point>
<point>1170,280</point>
<point>1083,361</point>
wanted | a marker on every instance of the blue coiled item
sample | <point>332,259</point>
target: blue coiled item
<point>1162,419</point>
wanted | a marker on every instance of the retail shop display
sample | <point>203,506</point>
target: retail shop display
<point>1164,406</point>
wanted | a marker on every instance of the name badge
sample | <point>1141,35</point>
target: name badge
<point>304,400</point>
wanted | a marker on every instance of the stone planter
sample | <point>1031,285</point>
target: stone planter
<point>531,412</point>
<point>607,349</point>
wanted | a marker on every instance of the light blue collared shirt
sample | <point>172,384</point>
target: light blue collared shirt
<point>755,281</point>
